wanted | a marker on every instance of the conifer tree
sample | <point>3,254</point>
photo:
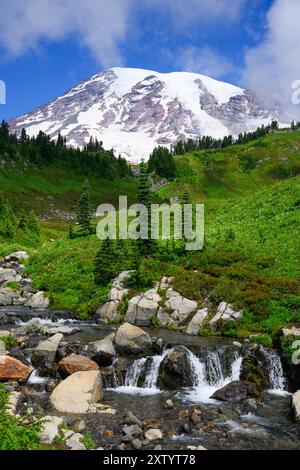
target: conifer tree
<point>83,210</point>
<point>105,264</point>
<point>145,198</point>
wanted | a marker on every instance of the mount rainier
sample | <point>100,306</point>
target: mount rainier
<point>134,110</point>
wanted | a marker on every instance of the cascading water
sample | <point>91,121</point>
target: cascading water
<point>133,373</point>
<point>276,377</point>
<point>207,375</point>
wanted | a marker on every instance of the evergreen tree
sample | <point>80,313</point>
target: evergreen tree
<point>83,210</point>
<point>33,224</point>
<point>105,268</point>
<point>145,198</point>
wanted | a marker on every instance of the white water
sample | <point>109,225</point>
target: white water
<point>207,376</point>
<point>208,380</point>
<point>35,378</point>
<point>276,377</point>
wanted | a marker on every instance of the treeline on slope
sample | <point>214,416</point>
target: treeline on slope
<point>41,150</point>
<point>162,161</point>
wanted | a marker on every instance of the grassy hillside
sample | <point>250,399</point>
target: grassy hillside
<point>250,258</point>
<point>236,170</point>
<point>47,189</point>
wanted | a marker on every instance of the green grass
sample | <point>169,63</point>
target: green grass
<point>226,173</point>
<point>46,190</point>
<point>14,433</point>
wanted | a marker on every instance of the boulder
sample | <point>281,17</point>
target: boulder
<point>175,370</point>
<point>4,333</point>
<point>196,322</point>
<point>76,363</point>
<point>12,369</point>
<point>296,406</point>
<point>17,256</point>
<point>180,308</point>
<point>63,329</point>
<point>255,367</point>
<point>163,318</point>
<point>7,275</point>
<point>132,341</point>
<point>8,296</point>
<point>44,354</point>
<point>225,314</point>
<point>75,394</point>
<point>102,352</point>
<point>142,308</point>
<point>38,300</point>
<point>109,312</point>
<point>236,391</point>
<point>291,331</point>
<point>153,435</point>
<point>50,429</point>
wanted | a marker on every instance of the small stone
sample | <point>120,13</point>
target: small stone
<point>169,405</point>
<point>153,435</point>
<point>136,444</point>
<point>131,419</point>
<point>186,428</point>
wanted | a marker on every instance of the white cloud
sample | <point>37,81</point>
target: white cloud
<point>274,65</point>
<point>98,24</point>
<point>101,25</point>
<point>205,61</point>
<point>187,12</point>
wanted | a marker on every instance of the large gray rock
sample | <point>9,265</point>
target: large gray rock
<point>296,406</point>
<point>236,391</point>
<point>142,308</point>
<point>197,322</point>
<point>38,300</point>
<point>75,394</point>
<point>102,352</point>
<point>7,275</point>
<point>17,256</point>
<point>225,314</point>
<point>109,312</point>
<point>8,296</point>
<point>175,370</point>
<point>44,354</point>
<point>132,341</point>
<point>180,308</point>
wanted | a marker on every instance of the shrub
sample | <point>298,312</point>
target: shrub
<point>15,433</point>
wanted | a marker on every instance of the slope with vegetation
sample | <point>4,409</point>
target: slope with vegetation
<point>250,258</point>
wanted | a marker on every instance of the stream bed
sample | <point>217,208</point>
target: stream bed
<point>214,362</point>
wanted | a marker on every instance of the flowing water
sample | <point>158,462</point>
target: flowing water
<point>213,363</point>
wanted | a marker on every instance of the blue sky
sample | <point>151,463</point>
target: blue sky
<point>46,47</point>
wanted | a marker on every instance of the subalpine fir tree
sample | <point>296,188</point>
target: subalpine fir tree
<point>105,264</point>
<point>145,198</point>
<point>83,210</point>
<point>7,219</point>
<point>33,224</point>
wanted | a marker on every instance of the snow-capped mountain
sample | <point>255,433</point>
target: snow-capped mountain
<point>134,110</point>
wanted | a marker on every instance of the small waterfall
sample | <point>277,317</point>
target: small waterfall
<point>152,376</point>
<point>236,367</point>
<point>276,377</point>
<point>214,368</point>
<point>207,375</point>
<point>133,373</point>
